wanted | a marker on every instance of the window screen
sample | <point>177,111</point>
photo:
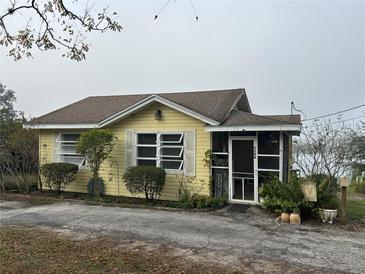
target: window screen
<point>268,142</point>
<point>268,162</point>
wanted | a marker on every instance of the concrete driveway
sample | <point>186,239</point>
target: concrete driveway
<point>234,235</point>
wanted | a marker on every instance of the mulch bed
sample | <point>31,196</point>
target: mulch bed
<point>48,197</point>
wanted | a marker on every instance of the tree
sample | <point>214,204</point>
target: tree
<point>10,119</point>
<point>18,146</point>
<point>7,101</point>
<point>357,143</point>
<point>51,25</point>
<point>96,145</point>
<point>21,158</point>
<point>323,148</point>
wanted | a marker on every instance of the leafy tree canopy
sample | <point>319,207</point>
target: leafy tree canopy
<point>7,101</point>
<point>10,119</point>
<point>96,145</point>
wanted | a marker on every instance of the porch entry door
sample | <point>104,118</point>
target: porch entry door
<point>243,178</point>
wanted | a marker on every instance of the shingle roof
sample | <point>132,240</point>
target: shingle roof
<point>214,104</point>
<point>239,118</point>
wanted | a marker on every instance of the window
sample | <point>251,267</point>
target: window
<point>66,149</point>
<point>146,149</point>
<point>164,150</point>
<point>269,151</point>
<point>265,177</point>
<point>268,142</point>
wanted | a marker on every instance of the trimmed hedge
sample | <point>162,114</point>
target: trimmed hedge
<point>147,180</point>
<point>59,175</point>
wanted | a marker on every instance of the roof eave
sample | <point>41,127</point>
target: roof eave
<point>60,126</point>
<point>125,113</point>
<point>254,128</point>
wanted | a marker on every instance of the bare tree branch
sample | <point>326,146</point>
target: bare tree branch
<point>56,33</point>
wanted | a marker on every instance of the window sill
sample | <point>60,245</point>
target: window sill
<point>174,172</point>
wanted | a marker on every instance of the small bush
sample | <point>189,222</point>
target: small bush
<point>59,175</point>
<point>359,187</point>
<point>285,197</point>
<point>90,186</point>
<point>196,200</point>
<point>21,184</point>
<point>279,197</point>
<point>327,194</point>
<point>147,180</point>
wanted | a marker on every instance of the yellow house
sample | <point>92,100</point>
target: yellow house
<point>176,131</point>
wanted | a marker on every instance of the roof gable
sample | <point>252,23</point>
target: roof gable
<point>209,106</point>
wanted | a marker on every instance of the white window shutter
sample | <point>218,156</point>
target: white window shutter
<point>129,149</point>
<point>189,153</point>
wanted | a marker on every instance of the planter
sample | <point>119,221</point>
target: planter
<point>328,215</point>
<point>285,217</point>
<point>295,219</point>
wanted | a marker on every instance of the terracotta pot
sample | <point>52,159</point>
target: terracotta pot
<point>285,217</point>
<point>295,219</point>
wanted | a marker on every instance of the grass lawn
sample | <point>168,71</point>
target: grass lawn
<point>356,207</point>
<point>25,250</point>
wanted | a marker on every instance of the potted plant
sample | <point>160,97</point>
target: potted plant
<point>295,216</point>
<point>327,200</point>
<point>328,210</point>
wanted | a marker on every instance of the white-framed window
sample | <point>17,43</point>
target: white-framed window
<point>161,149</point>
<point>270,155</point>
<point>66,149</point>
<point>269,151</point>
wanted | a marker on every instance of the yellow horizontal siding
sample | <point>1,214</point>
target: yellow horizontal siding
<point>143,120</point>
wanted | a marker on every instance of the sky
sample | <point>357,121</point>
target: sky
<point>309,52</point>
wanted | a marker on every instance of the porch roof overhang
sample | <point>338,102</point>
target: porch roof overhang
<point>244,121</point>
<point>293,128</point>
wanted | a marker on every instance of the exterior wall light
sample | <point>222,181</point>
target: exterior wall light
<point>158,115</point>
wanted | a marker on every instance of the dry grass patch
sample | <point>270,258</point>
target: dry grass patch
<point>37,251</point>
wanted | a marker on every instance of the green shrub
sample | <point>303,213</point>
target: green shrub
<point>90,186</point>
<point>59,175</point>
<point>327,189</point>
<point>359,187</point>
<point>196,200</point>
<point>147,180</point>
<point>278,196</point>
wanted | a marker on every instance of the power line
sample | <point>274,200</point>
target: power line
<point>341,121</point>
<point>196,14</point>
<point>163,7</point>
<point>166,4</point>
<point>330,114</point>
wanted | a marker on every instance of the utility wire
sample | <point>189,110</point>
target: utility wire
<point>341,121</point>
<point>330,114</point>
<point>196,14</point>
<point>163,7</point>
<point>168,1</point>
